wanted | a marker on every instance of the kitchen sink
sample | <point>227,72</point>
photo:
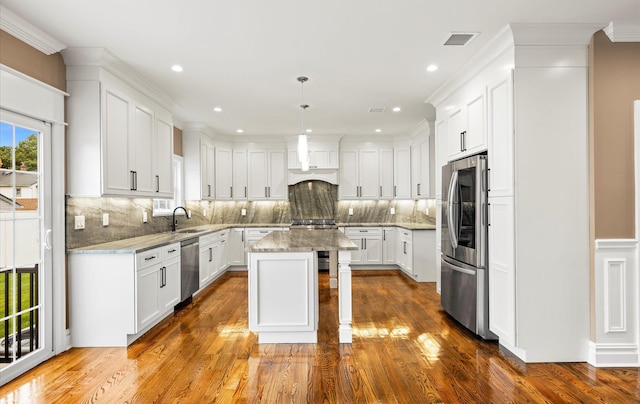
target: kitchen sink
<point>189,231</point>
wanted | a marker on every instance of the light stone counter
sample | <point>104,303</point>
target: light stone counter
<point>302,240</point>
<point>150,241</point>
<point>407,225</point>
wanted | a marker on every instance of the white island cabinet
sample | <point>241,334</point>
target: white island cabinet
<point>283,285</point>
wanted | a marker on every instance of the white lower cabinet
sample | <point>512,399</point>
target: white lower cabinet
<point>213,256</point>
<point>157,284</point>
<point>283,297</point>
<point>369,242</point>
<point>235,247</point>
<point>415,254</point>
<point>115,297</point>
<point>502,316</point>
<point>389,245</point>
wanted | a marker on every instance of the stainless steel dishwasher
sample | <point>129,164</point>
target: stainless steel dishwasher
<point>189,269</point>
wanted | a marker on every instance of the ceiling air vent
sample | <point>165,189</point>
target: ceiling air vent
<point>377,109</point>
<point>460,38</point>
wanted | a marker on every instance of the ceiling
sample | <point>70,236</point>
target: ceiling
<point>244,56</point>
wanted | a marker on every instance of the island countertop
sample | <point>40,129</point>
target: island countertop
<point>303,240</point>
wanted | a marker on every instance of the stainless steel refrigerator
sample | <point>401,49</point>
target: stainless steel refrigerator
<point>464,274</point>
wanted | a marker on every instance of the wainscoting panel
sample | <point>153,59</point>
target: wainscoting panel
<point>616,304</point>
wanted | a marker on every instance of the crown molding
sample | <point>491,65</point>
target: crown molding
<point>525,34</point>
<point>623,31</point>
<point>105,59</point>
<point>20,28</point>
<point>496,47</point>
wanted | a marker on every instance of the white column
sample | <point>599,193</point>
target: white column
<point>344,297</point>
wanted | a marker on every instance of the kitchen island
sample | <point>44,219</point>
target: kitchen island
<point>283,285</point>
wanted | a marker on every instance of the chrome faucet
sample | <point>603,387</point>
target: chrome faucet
<point>173,220</point>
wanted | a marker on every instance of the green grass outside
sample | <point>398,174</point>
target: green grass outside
<point>26,284</point>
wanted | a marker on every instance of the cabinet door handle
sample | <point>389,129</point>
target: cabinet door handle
<point>384,235</point>
<point>210,254</point>
<point>172,250</point>
<point>381,191</point>
<point>395,191</point>
<point>419,189</point>
<point>135,177</point>
<point>365,243</point>
<point>132,187</point>
<point>230,192</point>
<point>242,239</point>
<point>152,257</point>
<point>488,215</point>
<point>488,178</point>
<point>245,192</point>
<point>208,190</point>
<point>157,183</point>
<point>404,247</point>
<point>269,188</point>
<point>461,141</point>
<point>265,192</point>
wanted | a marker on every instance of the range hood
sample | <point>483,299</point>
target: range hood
<point>327,175</point>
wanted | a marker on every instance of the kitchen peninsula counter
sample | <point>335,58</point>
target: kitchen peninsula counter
<point>283,285</point>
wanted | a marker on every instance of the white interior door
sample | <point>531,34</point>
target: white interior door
<point>25,244</point>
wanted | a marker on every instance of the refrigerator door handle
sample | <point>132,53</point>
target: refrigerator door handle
<point>453,232</point>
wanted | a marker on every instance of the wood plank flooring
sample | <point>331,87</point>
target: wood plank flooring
<point>405,350</point>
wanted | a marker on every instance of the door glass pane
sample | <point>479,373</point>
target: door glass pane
<point>20,246</point>
<point>467,188</point>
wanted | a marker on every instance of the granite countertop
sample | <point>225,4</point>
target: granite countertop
<point>150,241</point>
<point>408,226</point>
<point>303,240</point>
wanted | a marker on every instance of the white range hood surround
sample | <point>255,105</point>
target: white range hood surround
<point>328,175</point>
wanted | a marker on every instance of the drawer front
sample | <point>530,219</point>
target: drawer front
<point>363,231</point>
<point>258,233</point>
<point>148,258</point>
<point>208,238</point>
<point>170,251</point>
<point>405,235</point>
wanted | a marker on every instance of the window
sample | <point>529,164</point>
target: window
<point>165,207</point>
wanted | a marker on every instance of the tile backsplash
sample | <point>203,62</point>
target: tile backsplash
<point>126,214</point>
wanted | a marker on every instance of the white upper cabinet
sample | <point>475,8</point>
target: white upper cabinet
<point>386,174</point>
<point>240,174</point>
<point>467,127</point>
<point>119,142</point>
<point>267,174</point>
<point>322,155</point>
<point>207,171</point>
<point>163,157</point>
<point>420,173</point>
<point>199,164</point>
<point>402,173</point>
<point>359,174</point>
<point>441,156</point>
<point>500,159</point>
<point>224,173</point>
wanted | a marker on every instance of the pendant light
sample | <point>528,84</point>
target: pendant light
<point>303,142</point>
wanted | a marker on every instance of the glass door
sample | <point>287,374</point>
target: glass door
<point>25,257</point>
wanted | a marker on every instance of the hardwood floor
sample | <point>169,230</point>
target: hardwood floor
<point>405,350</point>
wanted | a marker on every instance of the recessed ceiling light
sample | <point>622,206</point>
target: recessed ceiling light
<point>309,131</point>
<point>378,130</point>
<point>432,68</point>
<point>177,68</point>
<point>239,131</point>
<point>217,109</point>
<point>396,109</point>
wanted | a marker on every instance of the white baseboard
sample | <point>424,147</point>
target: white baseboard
<point>613,355</point>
